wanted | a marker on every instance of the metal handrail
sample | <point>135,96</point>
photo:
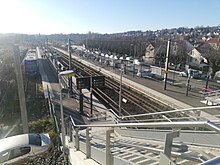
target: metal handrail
<point>171,111</point>
<point>175,118</point>
<point>191,124</point>
<point>116,115</point>
<point>72,121</point>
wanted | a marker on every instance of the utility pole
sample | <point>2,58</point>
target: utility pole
<point>166,65</point>
<point>91,108</point>
<point>133,69</point>
<point>47,42</point>
<point>135,49</point>
<point>188,82</point>
<point>70,68</point>
<point>81,101</point>
<point>120,91</point>
<point>20,86</point>
<point>86,43</point>
<point>207,78</point>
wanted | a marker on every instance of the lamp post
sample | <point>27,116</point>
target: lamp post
<point>68,73</point>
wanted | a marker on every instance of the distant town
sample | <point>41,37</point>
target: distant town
<point>190,47</point>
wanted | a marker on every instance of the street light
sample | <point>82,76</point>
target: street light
<point>68,73</point>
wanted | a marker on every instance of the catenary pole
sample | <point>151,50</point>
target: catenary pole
<point>166,65</point>
<point>120,89</point>
<point>70,68</point>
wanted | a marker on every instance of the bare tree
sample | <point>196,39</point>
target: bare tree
<point>178,54</point>
<point>213,57</point>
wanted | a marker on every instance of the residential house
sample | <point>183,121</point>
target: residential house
<point>194,57</point>
<point>149,56</point>
<point>155,53</point>
<point>215,43</point>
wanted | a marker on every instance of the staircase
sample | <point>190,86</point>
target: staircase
<point>141,151</point>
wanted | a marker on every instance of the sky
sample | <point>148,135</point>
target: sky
<point>104,16</point>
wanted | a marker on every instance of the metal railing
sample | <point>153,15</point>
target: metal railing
<point>193,115</point>
<point>172,111</point>
<point>173,125</point>
<point>179,124</point>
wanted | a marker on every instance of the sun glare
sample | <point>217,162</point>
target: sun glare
<point>15,17</point>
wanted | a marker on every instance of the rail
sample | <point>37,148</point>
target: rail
<point>171,111</point>
<point>179,124</point>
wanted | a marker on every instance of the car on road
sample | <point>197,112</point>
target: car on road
<point>17,148</point>
<point>145,73</point>
<point>193,73</point>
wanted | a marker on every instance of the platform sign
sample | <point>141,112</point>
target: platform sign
<point>83,82</point>
<point>98,81</point>
<point>166,71</point>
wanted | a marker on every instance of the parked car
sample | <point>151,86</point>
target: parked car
<point>183,74</point>
<point>145,73</point>
<point>16,148</point>
<point>193,73</point>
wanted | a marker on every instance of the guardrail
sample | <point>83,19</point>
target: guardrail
<point>168,140</point>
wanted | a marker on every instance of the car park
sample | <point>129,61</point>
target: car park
<point>19,147</point>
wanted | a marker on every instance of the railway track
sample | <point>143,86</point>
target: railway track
<point>136,103</point>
